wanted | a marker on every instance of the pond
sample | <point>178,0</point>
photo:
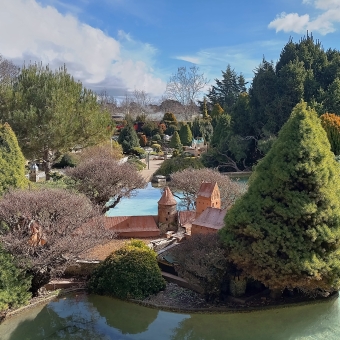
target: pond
<point>96,317</point>
<point>144,203</point>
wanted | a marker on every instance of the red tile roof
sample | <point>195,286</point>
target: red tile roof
<point>167,197</point>
<point>211,218</point>
<point>206,189</point>
<point>133,226</point>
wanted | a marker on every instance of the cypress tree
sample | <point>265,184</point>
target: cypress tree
<point>12,161</point>
<point>285,231</point>
<point>175,141</point>
<point>128,138</point>
<point>185,134</point>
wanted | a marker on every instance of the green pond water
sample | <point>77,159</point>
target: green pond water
<point>96,317</point>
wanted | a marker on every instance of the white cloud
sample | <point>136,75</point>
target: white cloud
<point>323,23</point>
<point>33,32</point>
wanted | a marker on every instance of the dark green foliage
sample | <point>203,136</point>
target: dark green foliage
<point>156,137</point>
<point>14,284</point>
<point>202,261</point>
<point>175,141</point>
<point>185,135</point>
<point>170,130</point>
<point>138,151</point>
<point>128,138</point>
<point>67,160</point>
<point>131,272</point>
<point>226,90</point>
<point>12,161</point>
<point>285,231</point>
<point>178,163</point>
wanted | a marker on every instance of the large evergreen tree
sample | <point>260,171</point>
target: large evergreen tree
<point>12,161</point>
<point>285,231</point>
<point>52,112</point>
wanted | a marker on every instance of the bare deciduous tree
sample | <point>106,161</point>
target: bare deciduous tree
<point>105,181</point>
<point>8,71</point>
<point>185,86</point>
<point>45,230</point>
<point>203,261</point>
<point>188,181</point>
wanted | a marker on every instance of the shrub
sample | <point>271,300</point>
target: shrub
<point>203,261</point>
<point>131,272</point>
<point>156,137</point>
<point>67,160</point>
<point>156,147</point>
<point>331,123</point>
<point>175,164</point>
<point>14,285</point>
<point>138,152</point>
<point>137,163</point>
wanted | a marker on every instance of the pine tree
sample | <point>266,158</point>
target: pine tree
<point>175,141</point>
<point>185,135</point>
<point>285,231</point>
<point>128,138</point>
<point>12,161</point>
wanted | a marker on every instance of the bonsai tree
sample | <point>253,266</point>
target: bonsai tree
<point>12,161</point>
<point>129,272</point>
<point>285,231</point>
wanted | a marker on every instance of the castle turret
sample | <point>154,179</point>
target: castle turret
<point>167,211</point>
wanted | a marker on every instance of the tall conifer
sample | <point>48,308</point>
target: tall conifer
<point>12,161</point>
<point>285,231</point>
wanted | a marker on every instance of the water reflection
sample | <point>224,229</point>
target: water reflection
<point>97,317</point>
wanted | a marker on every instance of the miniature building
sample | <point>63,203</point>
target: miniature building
<point>133,226</point>
<point>208,196</point>
<point>167,210</point>
<point>197,147</point>
<point>34,173</point>
<point>209,222</point>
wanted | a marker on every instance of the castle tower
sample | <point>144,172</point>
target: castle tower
<point>34,173</point>
<point>167,211</point>
<point>208,196</point>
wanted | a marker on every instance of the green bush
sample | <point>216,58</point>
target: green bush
<point>131,272</point>
<point>67,160</point>
<point>137,163</point>
<point>179,163</point>
<point>156,137</point>
<point>140,152</point>
<point>14,285</point>
<point>156,147</point>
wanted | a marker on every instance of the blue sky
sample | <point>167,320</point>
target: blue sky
<point>122,45</point>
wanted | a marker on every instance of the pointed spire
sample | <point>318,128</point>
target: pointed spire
<point>167,197</point>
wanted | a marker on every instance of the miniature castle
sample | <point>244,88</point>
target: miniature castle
<point>207,218</point>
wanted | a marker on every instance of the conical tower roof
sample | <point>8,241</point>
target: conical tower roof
<point>167,198</point>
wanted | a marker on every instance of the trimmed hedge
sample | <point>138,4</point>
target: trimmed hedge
<point>131,272</point>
